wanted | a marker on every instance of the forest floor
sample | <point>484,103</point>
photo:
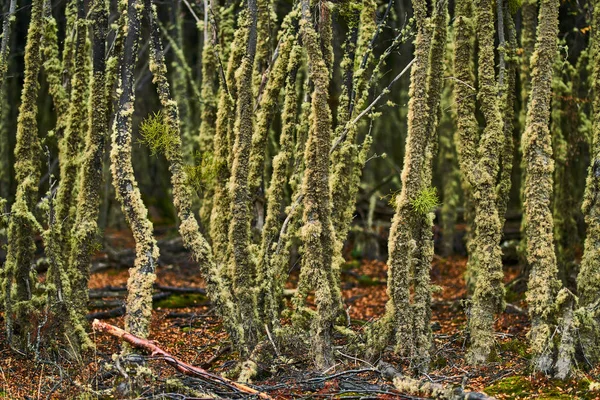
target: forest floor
<point>185,325</point>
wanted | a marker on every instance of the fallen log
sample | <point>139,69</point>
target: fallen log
<point>181,366</point>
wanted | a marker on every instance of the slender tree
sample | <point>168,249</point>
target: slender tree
<point>537,150</point>
<point>142,275</point>
<point>71,142</point>
<point>19,278</point>
<point>467,133</point>
<point>90,177</point>
<point>409,263</point>
<point>488,296</point>
<point>243,264</point>
<point>9,17</point>
<point>317,231</point>
<point>588,280</point>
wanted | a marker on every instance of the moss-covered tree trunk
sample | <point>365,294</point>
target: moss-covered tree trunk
<point>529,13</point>
<point>270,275</point>
<point>410,243</point>
<point>243,263</point>
<point>85,228</point>
<point>19,276</point>
<point>488,296</point>
<point>588,281</point>
<point>71,142</point>
<point>467,133</point>
<point>317,231</point>
<point>537,150</point>
<point>142,275</point>
<point>5,178</point>
<point>182,192</point>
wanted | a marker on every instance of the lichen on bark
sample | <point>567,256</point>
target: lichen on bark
<point>317,231</point>
<point>410,243</point>
<point>85,227</point>
<point>71,143</point>
<point>19,276</point>
<point>537,149</point>
<point>182,192</point>
<point>588,280</point>
<point>488,295</point>
<point>270,275</point>
<point>142,275</point>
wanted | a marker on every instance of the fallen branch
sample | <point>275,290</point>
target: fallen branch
<point>406,384</point>
<point>182,367</point>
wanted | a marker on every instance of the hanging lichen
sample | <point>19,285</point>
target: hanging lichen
<point>537,150</point>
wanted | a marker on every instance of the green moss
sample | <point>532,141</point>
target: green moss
<point>350,265</point>
<point>515,346</point>
<point>516,386</point>
<point>519,387</point>
<point>426,201</point>
<point>181,300</point>
<point>156,134</point>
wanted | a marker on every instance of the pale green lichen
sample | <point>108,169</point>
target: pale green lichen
<point>90,177</point>
<point>19,279</point>
<point>537,150</point>
<point>71,143</point>
<point>467,133</point>
<point>317,231</point>
<point>409,263</point>
<point>142,276</point>
<point>588,280</point>
<point>182,191</point>
<point>488,295</point>
<point>271,275</point>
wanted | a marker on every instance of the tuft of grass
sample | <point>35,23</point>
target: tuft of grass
<point>203,173</point>
<point>156,134</point>
<point>426,201</point>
